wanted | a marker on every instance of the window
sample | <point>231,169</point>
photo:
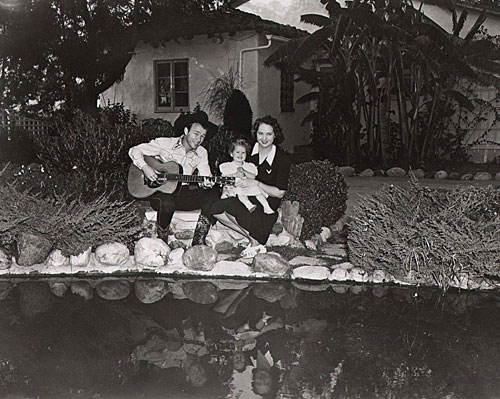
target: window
<point>172,85</point>
<point>286,91</point>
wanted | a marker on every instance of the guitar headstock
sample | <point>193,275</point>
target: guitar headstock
<point>226,180</point>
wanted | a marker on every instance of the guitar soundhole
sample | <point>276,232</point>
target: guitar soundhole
<point>151,184</point>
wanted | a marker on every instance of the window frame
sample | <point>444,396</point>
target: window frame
<point>173,107</point>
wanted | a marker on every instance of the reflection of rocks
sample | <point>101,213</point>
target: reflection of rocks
<point>34,298</point>
<point>5,288</point>
<point>32,249</point>
<point>311,287</point>
<point>151,252</point>
<point>58,288</point>
<point>270,292</point>
<point>114,253</point>
<point>200,292</point>
<point>82,288</point>
<point>5,260</point>
<point>199,257</point>
<point>271,264</point>
<point>81,260</point>
<point>113,290</point>
<point>150,291</point>
<point>57,258</point>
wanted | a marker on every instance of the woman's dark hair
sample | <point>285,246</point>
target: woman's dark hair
<point>269,120</point>
<point>274,374</point>
<point>239,142</point>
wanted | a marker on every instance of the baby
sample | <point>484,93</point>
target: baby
<point>244,170</point>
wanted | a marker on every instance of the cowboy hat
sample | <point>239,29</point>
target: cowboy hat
<point>201,117</point>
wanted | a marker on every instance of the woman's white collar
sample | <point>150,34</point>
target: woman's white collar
<point>270,156</point>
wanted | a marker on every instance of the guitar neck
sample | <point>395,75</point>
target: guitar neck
<point>191,178</point>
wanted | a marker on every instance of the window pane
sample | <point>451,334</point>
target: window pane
<point>164,93</point>
<point>163,69</point>
<point>181,99</point>
<point>181,84</point>
<point>180,68</point>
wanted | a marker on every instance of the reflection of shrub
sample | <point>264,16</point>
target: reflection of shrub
<point>96,150</point>
<point>17,146</point>
<point>70,225</point>
<point>322,193</point>
<point>431,235</point>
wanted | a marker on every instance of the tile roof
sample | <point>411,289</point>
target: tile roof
<point>210,23</point>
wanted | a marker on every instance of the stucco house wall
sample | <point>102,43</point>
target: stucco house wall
<point>208,60</point>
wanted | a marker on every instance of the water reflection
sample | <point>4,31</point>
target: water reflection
<point>226,339</point>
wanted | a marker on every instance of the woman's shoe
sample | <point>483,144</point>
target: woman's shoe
<point>249,252</point>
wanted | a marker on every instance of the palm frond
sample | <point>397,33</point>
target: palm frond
<point>462,100</point>
<point>460,24</point>
<point>284,52</point>
<point>316,19</point>
<point>312,43</point>
<point>485,64</point>
<point>308,97</point>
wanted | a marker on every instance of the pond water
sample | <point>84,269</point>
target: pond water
<point>253,340</point>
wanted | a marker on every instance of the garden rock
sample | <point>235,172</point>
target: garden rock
<point>358,275</point>
<point>200,292</point>
<point>379,276</point>
<point>5,288</point>
<point>58,288</point>
<point>497,176</point>
<point>309,244</point>
<point>32,249</point>
<point>467,176</point>
<point>441,174</point>
<point>34,298</point>
<point>151,252</point>
<point>150,291</point>
<point>345,265</point>
<point>269,292</point>
<point>291,220</point>
<point>347,171</point>
<point>56,258</point>
<point>277,228</point>
<point>396,172</point>
<point>83,289</point>
<point>339,274</point>
<point>175,256</point>
<point>184,234</point>
<point>482,176</point>
<point>113,290</point>
<point>114,253</point>
<point>307,261</point>
<point>81,260</point>
<point>325,233</point>
<point>311,273</point>
<point>336,250</point>
<point>200,257</point>
<point>174,244</point>
<point>367,173</point>
<point>231,268</point>
<point>5,260</point>
<point>418,173</point>
<point>271,264</point>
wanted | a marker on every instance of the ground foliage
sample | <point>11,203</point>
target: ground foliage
<point>430,235</point>
<point>71,225</point>
<point>322,193</point>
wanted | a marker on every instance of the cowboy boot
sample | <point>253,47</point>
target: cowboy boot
<point>162,234</point>
<point>201,231</point>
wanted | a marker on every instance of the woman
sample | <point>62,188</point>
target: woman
<point>274,170</point>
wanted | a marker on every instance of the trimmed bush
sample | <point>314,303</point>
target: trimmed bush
<point>431,236</point>
<point>70,224</point>
<point>322,193</point>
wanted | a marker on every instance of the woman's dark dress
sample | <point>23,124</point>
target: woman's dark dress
<point>258,223</point>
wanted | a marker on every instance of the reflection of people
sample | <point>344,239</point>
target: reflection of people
<point>188,153</point>
<point>273,172</point>
<point>241,169</point>
<point>264,376</point>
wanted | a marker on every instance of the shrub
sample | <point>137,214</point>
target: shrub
<point>433,236</point>
<point>92,152</point>
<point>70,224</point>
<point>322,193</point>
<point>17,146</point>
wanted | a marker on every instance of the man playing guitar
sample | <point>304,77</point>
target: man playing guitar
<point>190,155</point>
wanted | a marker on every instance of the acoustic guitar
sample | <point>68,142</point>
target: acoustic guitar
<point>169,177</point>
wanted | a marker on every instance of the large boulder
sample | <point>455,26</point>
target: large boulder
<point>200,257</point>
<point>34,298</point>
<point>113,253</point>
<point>270,292</point>
<point>32,249</point>
<point>113,290</point>
<point>150,291</point>
<point>200,292</point>
<point>270,264</point>
<point>151,252</point>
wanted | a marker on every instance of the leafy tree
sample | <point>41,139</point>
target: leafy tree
<point>70,51</point>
